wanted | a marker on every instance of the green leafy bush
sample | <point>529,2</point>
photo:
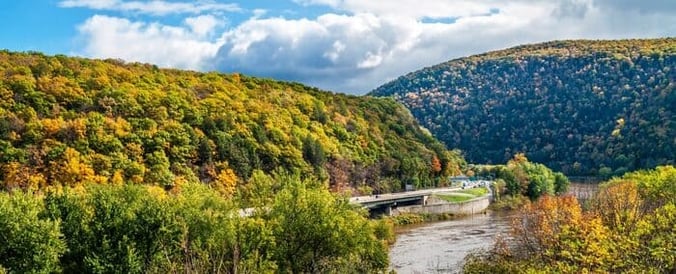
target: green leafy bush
<point>29,241</point>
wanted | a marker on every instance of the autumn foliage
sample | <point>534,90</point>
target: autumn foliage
<point>581,107</point>
<point>114,167</point>
<point>145,229</point>
<point>66,121</point>
<point>625,230</point>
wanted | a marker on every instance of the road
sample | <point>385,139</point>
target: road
<point>400,195</point>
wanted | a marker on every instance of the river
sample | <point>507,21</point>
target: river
<point>440,247</point>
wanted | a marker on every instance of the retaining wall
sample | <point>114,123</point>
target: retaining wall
<point>476,205</point>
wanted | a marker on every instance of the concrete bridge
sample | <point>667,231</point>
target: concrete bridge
<point>384,203</point>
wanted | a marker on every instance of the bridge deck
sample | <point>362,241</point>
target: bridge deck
<point>375,200</point>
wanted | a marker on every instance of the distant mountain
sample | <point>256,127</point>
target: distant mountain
<point>581,107</point>
<point>65,121</point>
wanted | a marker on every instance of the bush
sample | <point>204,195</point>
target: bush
<point>29,242</point>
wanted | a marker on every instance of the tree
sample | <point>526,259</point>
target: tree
<point>159,169</point>
<point>339,174</point>
<point>436,164</point>
<point>73,120</point>
<point>316,232</point>
<point>561,183</point>
<point>138,229</point>
<point>226,182</point>
<point>21,177</point>
<point>313,152</point>
<point>72,170</point>
<point>30,243</point>
<point>531,179</point>
<point>605,172</point>
<point>624,231</point>
<point>619,205</point>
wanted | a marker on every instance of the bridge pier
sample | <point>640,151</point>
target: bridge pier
<point>387,204</point>
<point>386,207</point>
<point>383,210</point>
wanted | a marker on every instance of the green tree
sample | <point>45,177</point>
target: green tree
<point>561,183</point>
<point>625,230</point>
<point>29,242</point>
<point>605,173</point>
<point>317,232</point>
<point>313,152</point>
<point>159,169</point>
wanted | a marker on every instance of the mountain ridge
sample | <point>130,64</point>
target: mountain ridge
<point>66,120</point>
<point>608,103</point>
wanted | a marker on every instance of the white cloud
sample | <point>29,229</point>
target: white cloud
<point>330,47</point>
<point>356,52</point>
<point>375,41</point>
<point>167,46</point>
<point>417,9</point>
<point>361,44</point>
<point>203,25</point>
<point>92,4</point>
<point>153,7</point>
<point>334,53</point>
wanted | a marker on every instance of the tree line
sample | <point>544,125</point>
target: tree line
<point>627,227</point>
<point>590,108</point>
<point>302,228</point>
<point>65,121</point>
<point>520,177</point>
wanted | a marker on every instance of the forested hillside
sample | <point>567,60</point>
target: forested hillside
<point>66,121</point>
<point>580,107</point>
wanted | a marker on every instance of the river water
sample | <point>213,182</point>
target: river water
<point>440,247</point>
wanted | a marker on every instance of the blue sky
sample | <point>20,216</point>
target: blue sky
<point>349,46</point>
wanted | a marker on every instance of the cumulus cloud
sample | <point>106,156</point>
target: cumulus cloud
<point>154,7</point>
<point>371,42</point>
<point>309,50</point>
<point>168,46</point>
<point>356,52</point>
<point>204,25</point>
<point>410,8</point>
<point>357,45</point>
<point>653,6</point>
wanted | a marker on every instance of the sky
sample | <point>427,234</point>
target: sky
<point>347,46</point>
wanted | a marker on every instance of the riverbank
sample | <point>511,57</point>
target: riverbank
<point>441,246</point>
<point>438,243</point>
<point>443,206</point>
<point>420,218</point>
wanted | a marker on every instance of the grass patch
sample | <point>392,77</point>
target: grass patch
<point>478,191</point>
<point>471,193</point>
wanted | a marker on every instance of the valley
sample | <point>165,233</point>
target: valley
<point>115,166</point>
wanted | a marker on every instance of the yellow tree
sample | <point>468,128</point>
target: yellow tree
<point>20,176</point>
<point>619,205</point>
<point>225,182</point>
<point>555,232</point>
<point>72,170</point>
<point>436,164</point>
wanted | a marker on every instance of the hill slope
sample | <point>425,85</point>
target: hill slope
<point>67,120</point>
<point>581,107</point>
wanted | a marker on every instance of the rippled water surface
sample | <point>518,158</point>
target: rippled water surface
<point>440,247</point>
